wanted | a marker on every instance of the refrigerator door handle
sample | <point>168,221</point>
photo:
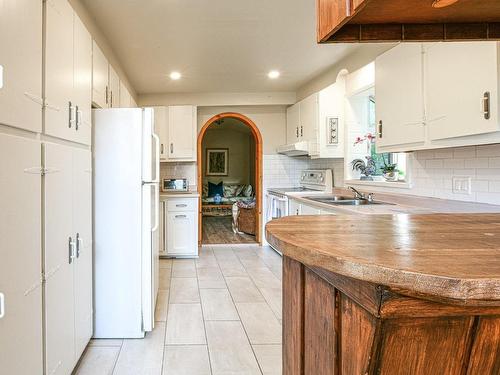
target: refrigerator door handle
<point>157,207</point>
<point>157,158</point>
<point>2,305</point>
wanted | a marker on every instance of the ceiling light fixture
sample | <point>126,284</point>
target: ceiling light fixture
<point>175,76</point>
<point>273,74</point>
<point>443,3</point>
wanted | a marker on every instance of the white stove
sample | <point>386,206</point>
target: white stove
<point>312,182</point>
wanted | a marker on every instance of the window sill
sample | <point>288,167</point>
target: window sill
<point>380,183</point>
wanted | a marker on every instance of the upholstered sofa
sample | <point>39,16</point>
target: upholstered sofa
<point>232,193</point>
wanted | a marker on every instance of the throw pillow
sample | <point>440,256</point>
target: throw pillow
<point>247,192</point>
<point>214,189</point>
<point>239,190</point>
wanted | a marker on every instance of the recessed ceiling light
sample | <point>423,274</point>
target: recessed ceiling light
<point>443,3</point>
<point>175,76</point>
<point>273,74</point>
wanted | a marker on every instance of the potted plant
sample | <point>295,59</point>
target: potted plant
<point>390,171</point>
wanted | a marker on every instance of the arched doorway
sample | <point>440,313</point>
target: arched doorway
<point>257,170</point>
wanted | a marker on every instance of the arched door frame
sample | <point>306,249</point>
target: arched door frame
<point>258,169</point>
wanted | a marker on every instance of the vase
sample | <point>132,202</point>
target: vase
<point>391,176</point>
<point>217,199</point>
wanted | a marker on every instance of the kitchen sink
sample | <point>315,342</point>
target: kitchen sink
<point>340,200</point>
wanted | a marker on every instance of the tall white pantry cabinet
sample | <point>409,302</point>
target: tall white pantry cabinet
<point>46,188</point>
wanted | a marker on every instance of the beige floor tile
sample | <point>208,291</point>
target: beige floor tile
<point>106,342</point>
<point>206,262</point>
<point>230,352</point>
<point>184,290</point>
<point>142,356</point>
<point>165,274</point>
<point>269,358</point>
<point>183,268</point>
<point>98,360</point>
<point>225,254</point>
<point>210,277</point>
<point>217,304</point>
<point>165,263</point>
<point>274,298</point>
<point>232,268</point>
<point>252,262</point>
<point>242,289</point>
<point>260,323</point>
<point>264,278</point>
<point>186,360</point>
<point>185,325</point>
<point>161,306</point>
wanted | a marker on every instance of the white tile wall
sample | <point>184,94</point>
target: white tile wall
<point>179,170</point>
<point>433,172</point>
<point>282,170</point>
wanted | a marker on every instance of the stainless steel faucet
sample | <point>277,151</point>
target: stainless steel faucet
<point>359,195</point>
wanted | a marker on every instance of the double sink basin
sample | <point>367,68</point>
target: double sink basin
<point>341,200</point>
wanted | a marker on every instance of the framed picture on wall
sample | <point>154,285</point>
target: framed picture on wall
<point>217,161</point>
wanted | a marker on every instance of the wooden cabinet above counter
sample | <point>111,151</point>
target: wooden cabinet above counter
<point>407,20</point>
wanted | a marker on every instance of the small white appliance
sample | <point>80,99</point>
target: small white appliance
<point>311,182</point>
<point>175,185</point>
<point>126,217</point>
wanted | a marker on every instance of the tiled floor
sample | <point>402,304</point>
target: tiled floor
<point>219,314</point>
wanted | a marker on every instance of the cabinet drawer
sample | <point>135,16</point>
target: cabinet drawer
<point>174,205</point>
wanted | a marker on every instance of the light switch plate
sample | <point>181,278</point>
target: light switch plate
<point>462,185</point>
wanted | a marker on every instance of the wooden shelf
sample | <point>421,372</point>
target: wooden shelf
<point>406,20</point>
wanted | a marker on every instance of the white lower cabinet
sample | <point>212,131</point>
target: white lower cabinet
<point>68,256</point>
<point>181,227</point>
<point>20,257</point>
<point>309,210</point>
<point>293,207</point>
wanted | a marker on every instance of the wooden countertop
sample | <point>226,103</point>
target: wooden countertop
<point>453,257</point>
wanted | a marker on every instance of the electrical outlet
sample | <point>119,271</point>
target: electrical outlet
<point>461,185</point>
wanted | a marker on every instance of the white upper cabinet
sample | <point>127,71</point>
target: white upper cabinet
<point>20,254</point>
<point>20,62</point>
<point>114,88</point>
<point>309,114</point>
<point>59,110</point>
<point>82,83</point>
<point>100,93</point>
<point>125,98</point>
<point>293,123</point>
<point>160,121</point>
<point>461,83</point>
<point>68,66</point>
<point>181,133</point>
<point>302,120</point>
<point>398,96</point>
<point>437,95</point>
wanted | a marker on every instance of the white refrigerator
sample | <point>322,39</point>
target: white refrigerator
<point>126,221</point>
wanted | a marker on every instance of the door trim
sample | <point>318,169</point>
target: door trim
<point>258,170</point>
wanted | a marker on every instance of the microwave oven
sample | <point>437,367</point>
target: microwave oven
<point>175,185</point>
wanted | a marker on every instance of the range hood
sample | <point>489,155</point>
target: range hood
<point>294,149</point>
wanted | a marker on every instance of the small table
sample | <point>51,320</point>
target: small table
<point>213,209</point>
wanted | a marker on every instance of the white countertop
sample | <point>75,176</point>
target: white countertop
<point>400,203</point>
<point>189,194</point>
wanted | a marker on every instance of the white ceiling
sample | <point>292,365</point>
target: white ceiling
<point>218,45</point>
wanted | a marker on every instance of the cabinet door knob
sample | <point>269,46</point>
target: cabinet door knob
<point>171,148</point>
<point>301,131</point>
<point>107,94</point>
<point>380,124</point>
<point>77,118</point>
<point>161,149</point>
<point>180,216</point>
<point>181,205</point>
<point>78,244</point>
<point>297,131</point>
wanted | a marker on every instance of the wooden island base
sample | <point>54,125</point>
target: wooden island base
<point>334,324</point>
